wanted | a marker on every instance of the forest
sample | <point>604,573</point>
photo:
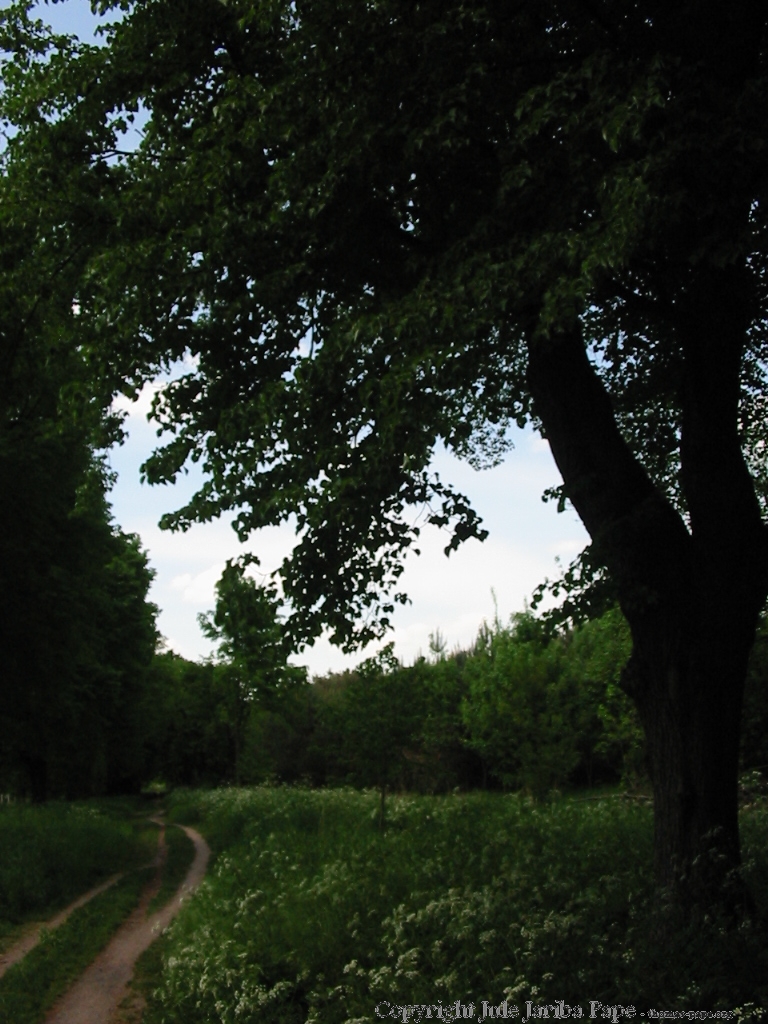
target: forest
<point>527,708</point>
<point>347,236</point>
<point>530,707</point>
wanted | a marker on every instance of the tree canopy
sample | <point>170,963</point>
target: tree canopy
<point>358,217</point>
<point>77,633</point>
<point>379,226</point>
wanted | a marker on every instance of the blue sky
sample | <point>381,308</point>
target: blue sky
<point>452,594</point>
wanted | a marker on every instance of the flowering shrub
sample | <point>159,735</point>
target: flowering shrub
<point>313,914</point>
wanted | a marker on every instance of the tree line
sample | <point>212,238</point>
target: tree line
<point>92,704</point>
<point>518,709</point>
<point>77,632</point>
<point>526,707</point>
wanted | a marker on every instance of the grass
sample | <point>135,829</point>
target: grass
<point>147,979</point>
<point>313,915</point>
<point>51,853</point>
<point>30,987</point>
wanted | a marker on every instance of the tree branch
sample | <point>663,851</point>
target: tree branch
<point>636,532</point>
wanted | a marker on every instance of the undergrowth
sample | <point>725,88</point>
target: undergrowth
<point>313,914</point>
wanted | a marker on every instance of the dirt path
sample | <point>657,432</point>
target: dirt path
<point>95,997</point>
<point>28,941</point>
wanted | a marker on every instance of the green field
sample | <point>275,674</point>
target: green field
<point>313,914</point>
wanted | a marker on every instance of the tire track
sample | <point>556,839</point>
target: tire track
<point>97,994</point>
<point>24,945</point>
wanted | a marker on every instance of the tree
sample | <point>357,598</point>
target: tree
<point>379,226</point>
<point>253,651</point>
<point>380,712</point>
<point>76,630</point>
<point>754,739</point>
<point>543,707</point>
<point>611,736</point>
<point>186,737</point>
<point>520,710</point>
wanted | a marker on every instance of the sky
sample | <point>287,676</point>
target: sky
<point>451,594</point>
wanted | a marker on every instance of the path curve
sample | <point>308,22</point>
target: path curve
<point>96,995</point>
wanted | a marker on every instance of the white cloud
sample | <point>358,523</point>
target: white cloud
<point>567,549</point>
<point>138,409</point>
<point>198,589</point>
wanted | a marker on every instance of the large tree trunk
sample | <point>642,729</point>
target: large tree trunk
<point>691,589</point>
<point>688,691</point>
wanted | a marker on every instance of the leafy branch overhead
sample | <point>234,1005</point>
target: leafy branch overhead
<point>357,275</point>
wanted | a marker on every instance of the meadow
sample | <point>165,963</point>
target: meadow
<point>313,913</point>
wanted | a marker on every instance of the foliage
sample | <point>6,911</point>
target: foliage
<point>754,745</point>
<point>379,718</point>
<point>519,711</point>
<point>251,638</point>
<point>380,227</point>
<point>360,260</point>
<point>546,708</point>
<point>189,736</point>
<point>186,739</point>
<point>428,727</point>
<point>522,707</point>
<point>447,760</point>
<point>253,652</point>
<point>314,914</point>
<point>77,632</point>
